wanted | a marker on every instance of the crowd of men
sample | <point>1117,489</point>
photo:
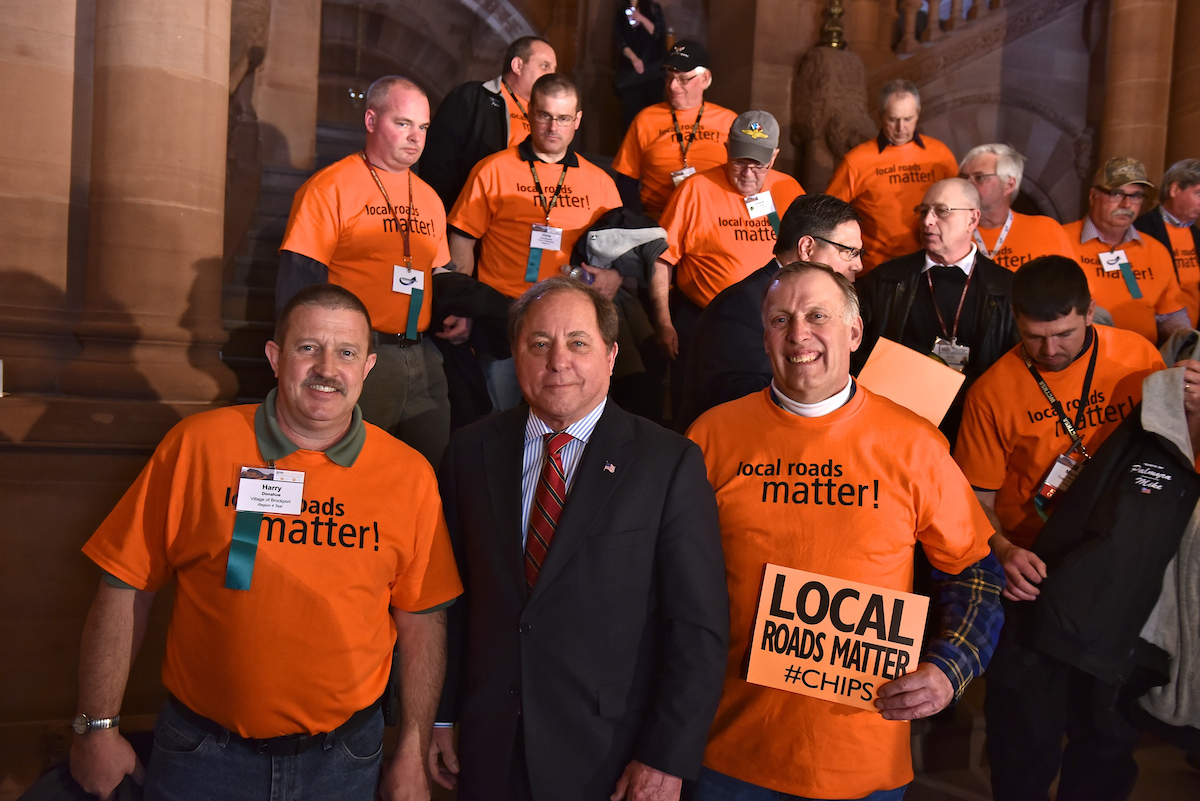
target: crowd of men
<point>566,608</point>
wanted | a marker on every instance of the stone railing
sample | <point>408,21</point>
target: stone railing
<point>936,26</point>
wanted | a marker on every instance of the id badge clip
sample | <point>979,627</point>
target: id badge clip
<point>1112,261</point>
<point>545,237</point>
<point>679,175</point>
<point>951,354</point>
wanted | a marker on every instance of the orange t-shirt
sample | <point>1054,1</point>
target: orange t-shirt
<point>848,495</point>
<point>310,642</point>
<point>500,205</point>
<point>1029,236</point>
<point>339,218</point>
<point>1187,269</point>
<point>1153,270</point>
<point>518,122</point>
<point>711,239</point>
<point>884,186</point>
<point>1010,436</point>
<point>651,151</point>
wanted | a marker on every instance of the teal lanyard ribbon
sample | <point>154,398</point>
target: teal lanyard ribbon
<point>239,570</point>
<point>533,265</point>
<point>415,301</point>
<point>1130,282</point>
<point>773,218</point>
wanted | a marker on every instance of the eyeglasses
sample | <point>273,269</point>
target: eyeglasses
<point>682,78</point>
<point>1118,195</point>
<point>845,251</point>
<point>749,165</point>
<point>940,211</point>
<point>979,177</point>
<point>562,121</point>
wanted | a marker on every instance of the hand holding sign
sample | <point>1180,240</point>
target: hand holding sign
<point>924,692</point>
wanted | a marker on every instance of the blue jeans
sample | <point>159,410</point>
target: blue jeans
<point>191,763</point>
<point>713,786</point>
<point>501,378</point>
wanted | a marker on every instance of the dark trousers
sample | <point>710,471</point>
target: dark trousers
<point>684,314</point>
<point>1025,728</point>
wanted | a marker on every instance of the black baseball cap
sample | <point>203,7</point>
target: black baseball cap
<point>686,55</point>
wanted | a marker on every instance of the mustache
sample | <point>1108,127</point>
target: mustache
<point>320,380</point>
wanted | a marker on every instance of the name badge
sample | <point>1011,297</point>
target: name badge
<point>760,205</point>
<point>405,280</point>
<point>1062,474</point>
<point>266,489</point>
<point>951,354</point>
<point>679,175</point>
<point>1111,262</point>
<point>546,237</point>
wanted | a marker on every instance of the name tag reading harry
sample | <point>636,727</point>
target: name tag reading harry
<point>266,489</point>
<point>1111,262</point>
<point>950,353</point>
<point>679,175</point>
<point>405,280</point>
<point>759,205</point>
<point>546,237</point>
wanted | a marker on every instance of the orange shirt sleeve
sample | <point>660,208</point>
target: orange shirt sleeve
<point>628,160</point>
<point>314,224</point>
<point>841,185</point>
<point>473,211</point>
<point>952,526</point>
<point>431,577</point>
<point>947,165</point>
<point>980,450</point>
<point>676,219</point>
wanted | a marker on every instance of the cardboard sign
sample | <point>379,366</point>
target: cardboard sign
<point>913,380</point>
<point>833,639</point>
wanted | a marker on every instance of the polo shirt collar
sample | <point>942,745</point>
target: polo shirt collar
<point>525,151</point>
<point>1090,232</point>
<point>274,445</point>
<point>1171,219</point>
<point>883,142</point>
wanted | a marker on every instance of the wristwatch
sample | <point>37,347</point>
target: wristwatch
<point>84,724</point>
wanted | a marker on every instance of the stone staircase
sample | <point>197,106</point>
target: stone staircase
<point>248,296</point>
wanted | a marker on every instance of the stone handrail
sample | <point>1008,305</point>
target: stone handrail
<point>936,28</point>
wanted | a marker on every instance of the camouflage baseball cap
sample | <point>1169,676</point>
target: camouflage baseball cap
<point>1120,171</point>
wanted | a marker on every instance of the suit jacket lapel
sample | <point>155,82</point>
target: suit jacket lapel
<point>591,491</point>
<point>502,455</point>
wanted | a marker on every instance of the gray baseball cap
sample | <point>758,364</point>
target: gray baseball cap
<point>754,135</point>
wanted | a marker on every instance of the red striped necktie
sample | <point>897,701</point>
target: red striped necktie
<point>548,501</point>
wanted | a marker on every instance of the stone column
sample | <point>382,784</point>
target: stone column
<point>1137,96</point>
<point>151,323</point>
<point>285,89</point>
<point>1183,133</point>
<point>45,133</point>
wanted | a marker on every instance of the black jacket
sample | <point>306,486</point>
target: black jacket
<point>1106,546</point>
<point>470,124</point>
<point>886,297</point>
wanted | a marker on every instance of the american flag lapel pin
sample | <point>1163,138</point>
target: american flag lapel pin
<point>609,467</point>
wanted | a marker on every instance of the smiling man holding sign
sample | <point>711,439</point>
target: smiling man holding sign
<point>824,489</point>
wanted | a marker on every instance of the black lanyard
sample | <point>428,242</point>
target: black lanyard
<point>953,334</point>
<point>1072,429</point>
<point>516,100</point>
<point>404,230</point>
<point>684,148</point>
<point>547,204</point>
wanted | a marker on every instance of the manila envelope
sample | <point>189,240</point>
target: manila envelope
<point>917,382</point>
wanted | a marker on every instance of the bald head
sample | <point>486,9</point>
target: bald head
<point>949,215</point>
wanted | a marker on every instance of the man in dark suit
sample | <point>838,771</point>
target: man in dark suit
<point>946,300</point>
<point>728,359</point>
<point>591,666</point>
<point>1173,224</point>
